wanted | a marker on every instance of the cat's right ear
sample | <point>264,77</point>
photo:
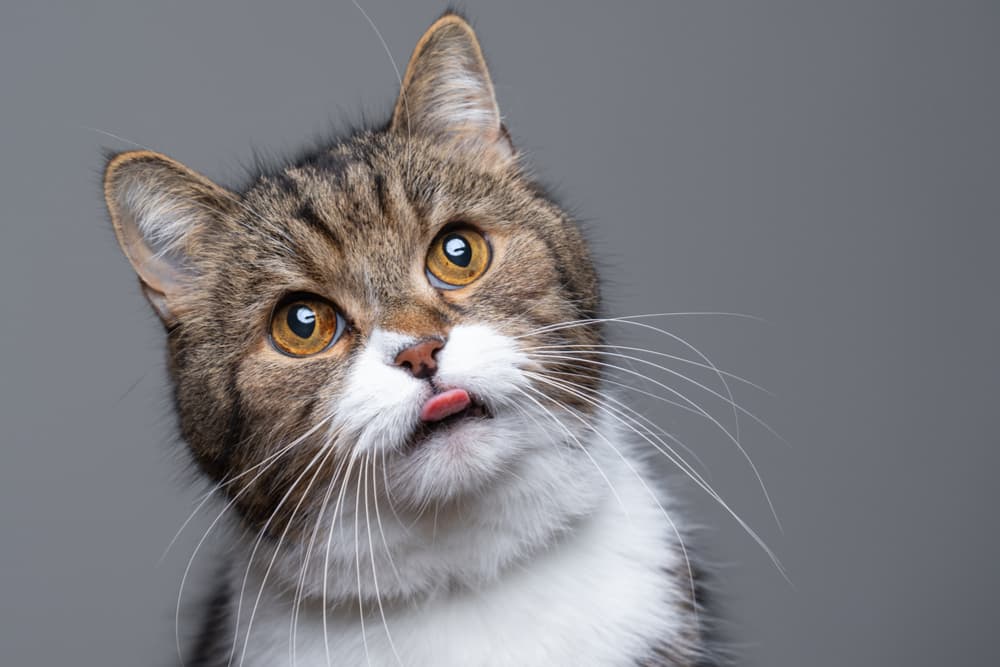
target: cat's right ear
<point>447,92</point>
<point>160,209</point>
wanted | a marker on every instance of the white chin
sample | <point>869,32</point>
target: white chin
<point>457,459</point>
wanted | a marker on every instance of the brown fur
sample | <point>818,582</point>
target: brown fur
<point>351,222</point>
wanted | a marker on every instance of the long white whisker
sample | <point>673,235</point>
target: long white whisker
<point>729,393</point>
<point>638,415</point>
<point>323,454</point>
<point>671,371</point>
<point>292,649</point>
<point>670,454</point>
<point>204,537</point>
<point>399,77</point>
<point>300,591</point>
<point>371,553</point>
<point>326,558</point>
<point>257,542</point>
<point>378,519</point>
<point>634,417</point>
<point>357,562</point>
<point>577,441</point>
<point>701,410</point>
<point>581,364</point>
<point>653,496</point>
<point>228,482</point>
<point>700,482</point>
<point>388,496</point>
<point>570,347</point>
<point>590,321</point>
<point>725,384</point>
<point>543,429</point>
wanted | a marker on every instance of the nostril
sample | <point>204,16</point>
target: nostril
<point>420,359</point>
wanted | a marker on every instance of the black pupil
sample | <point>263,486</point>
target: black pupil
<point>457,250</point>
<point>301,320</point>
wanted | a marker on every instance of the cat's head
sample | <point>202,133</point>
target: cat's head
<point>370,311</point>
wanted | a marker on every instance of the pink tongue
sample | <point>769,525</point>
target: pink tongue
<point>444,405</point>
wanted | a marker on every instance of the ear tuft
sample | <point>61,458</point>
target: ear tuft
<point>159,208</point>
<point>447,91</point>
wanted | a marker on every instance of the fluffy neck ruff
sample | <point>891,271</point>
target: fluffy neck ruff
<point>540,574</point>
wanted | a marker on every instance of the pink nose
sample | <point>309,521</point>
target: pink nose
<point>420,358</point>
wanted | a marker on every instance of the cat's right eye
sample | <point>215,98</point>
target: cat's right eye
<point>304,324</point>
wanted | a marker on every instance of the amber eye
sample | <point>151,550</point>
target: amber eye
<point>457,257</point>
<point>305,324</point>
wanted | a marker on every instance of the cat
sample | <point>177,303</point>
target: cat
<point>386,355</point>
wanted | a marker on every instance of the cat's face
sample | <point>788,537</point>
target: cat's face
<point>370,310</point>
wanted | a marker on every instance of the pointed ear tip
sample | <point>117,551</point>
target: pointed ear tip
<point>115,161</point>
<point>450,18</point>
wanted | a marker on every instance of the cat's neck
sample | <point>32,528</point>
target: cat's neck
<point>606,586</point>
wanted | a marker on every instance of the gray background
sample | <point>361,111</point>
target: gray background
<point>830,167</point>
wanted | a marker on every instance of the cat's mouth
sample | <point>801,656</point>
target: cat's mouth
<point>446,410</point>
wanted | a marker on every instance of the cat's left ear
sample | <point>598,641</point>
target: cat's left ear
<point>447,92</point>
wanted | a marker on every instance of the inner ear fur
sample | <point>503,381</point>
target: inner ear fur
<point>447,91</point>
<point>159,210</point>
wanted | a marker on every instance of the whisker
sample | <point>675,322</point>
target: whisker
<point>736,408</point>
<point>399,80</point>
<point>378,518</point>
<point>670,453</point>
<point>230,196</point>
<point>654,497</point>
<point>357,563</point>
<point>606,380</point>
<point>728,390</point>
<point>371,553</point>
<point>204,537</point>
<point>637,417</point>
<point>300,590</point>
<point>229,481</point>
<point>697,480</point>
<point>434,524</point>
<point>611,486</point>
<point>671,371</point>
<point>700,409</point>
<point>675,337</point>
<point>388,495</point>
<point>323,454</point>
<point>542,429</point>
<point>326,558</point>
<point>570,347</point>
<point>591,321</point>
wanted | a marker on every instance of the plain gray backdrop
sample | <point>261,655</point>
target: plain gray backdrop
<point>832,168</point>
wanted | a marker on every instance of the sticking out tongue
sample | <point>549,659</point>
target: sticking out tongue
<point>444,405</point>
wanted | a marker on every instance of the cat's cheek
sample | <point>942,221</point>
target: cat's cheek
<point>484,361</point>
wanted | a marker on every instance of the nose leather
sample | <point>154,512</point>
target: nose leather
<point>420,358</point>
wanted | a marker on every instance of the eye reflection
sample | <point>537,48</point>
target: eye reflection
<point>305,324</point>
<point>457,257</point>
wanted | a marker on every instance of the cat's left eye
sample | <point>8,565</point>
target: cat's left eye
<point>304,324</point>
<point>457,257</point>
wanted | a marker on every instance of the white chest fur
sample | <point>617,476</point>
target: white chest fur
<point>601,595</point>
